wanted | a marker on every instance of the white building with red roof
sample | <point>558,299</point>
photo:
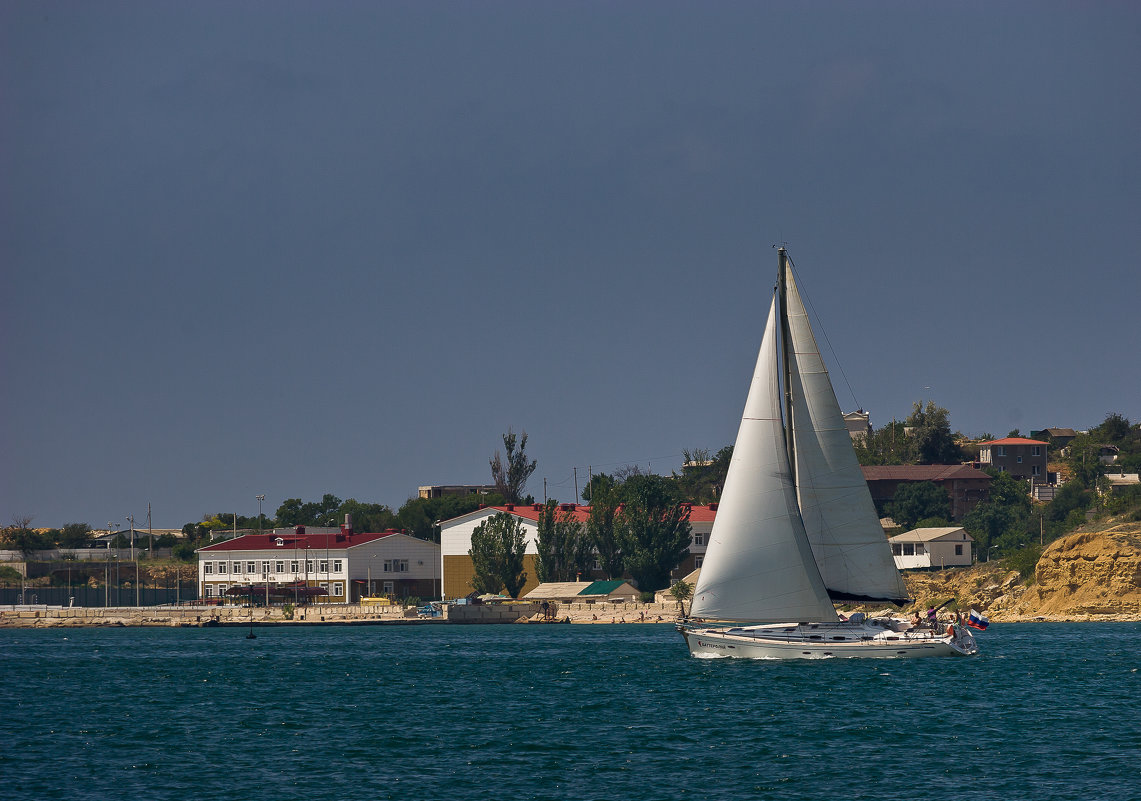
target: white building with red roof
<point>329,567</point>
<point>455,542</point>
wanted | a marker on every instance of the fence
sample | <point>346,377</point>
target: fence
<point>99,596</point>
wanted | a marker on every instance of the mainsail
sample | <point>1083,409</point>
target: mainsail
<point>840,519</point>
<point>759,567</point>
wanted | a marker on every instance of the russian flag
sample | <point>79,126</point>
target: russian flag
<point>977,620</point>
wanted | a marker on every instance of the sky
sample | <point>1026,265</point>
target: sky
<point>291,248</point>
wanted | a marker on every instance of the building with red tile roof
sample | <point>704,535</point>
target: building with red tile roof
<point>965,485</point>
<point>344,564</point>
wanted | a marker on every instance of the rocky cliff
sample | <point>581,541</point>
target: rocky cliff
<point>1092,574</point>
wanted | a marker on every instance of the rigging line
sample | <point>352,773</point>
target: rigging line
<point>820,325</point>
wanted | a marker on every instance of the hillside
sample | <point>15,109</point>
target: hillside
<point>1094,573</point>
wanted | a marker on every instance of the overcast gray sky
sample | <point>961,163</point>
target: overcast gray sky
<point>293,248</point>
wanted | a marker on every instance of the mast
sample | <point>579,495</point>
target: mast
<point>786,360</point>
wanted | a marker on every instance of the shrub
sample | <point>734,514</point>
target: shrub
<point>1024,561</point>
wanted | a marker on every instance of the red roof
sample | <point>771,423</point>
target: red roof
<point>921,472</point>
<point>531,511</point>
<point>315,542</point>
<point>1014,441</point>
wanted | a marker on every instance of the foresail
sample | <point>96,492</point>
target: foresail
<point>759,565</point>
<point>839,517</point>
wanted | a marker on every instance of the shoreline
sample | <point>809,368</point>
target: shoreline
<point>239,617</point>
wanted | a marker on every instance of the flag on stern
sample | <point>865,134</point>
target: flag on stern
<point>977,620</point>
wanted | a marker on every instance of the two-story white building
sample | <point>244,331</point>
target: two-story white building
<point>344,564</point>
<point>455,542</point>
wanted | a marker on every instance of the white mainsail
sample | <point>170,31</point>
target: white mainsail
<point>759,566</point>
<point>840,519</point>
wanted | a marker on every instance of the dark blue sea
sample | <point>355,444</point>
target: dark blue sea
<point>1047,711</point>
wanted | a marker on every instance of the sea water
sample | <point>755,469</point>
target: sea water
<point>1047,711</point>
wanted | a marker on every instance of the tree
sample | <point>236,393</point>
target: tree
<point>564,550</point>
<point>497,548</point>
<point>510,478</point>
<point>931,430</point>
<point>367,516</point>
<point>419,516</point>
<point>75,535</point>
<point>889,444</point>
<point>653,530</point>
<point>1001,520</point>
<point>916,500</point>
<point>702,476</point>
<point>1113,430</point>
<point>681,592</point>
<point>601,526</point>
<point>23,538</point>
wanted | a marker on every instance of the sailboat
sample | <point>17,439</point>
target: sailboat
<point>796,529</point>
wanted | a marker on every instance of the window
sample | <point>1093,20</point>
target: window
<point>294,566</point>
<point>1000,468</point>
<point>958,550</point>
<point>324,566</point>
<point>388,588</point>
<point>699,539</point>
<point>279,566</point>
<point>920,550</point>
<point>908,549</point>
<point>251,567</point>
<point>336,565</point>
<point>1036,450</point>
<point>207,567</point>
<point>1000,450</point>
<point>209,590</point>
<point>221,567</point>
<point>395,565</point>
<point>238,567</point>
<point>265,568</point>
<point>1035,470</point>
<point>896,550</point>
<point>698,560</point>
<point>1019,460</point>
<point>308,565</point>
<point>338,588</point>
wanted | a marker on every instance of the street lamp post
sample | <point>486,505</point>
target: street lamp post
<point>107,566</point>
<point>260,499</point>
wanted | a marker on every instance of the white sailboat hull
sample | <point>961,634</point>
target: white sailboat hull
<point>822,641</point>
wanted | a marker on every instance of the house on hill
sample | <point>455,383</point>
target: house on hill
<point>1022,458</point>
<point>964,484</point>
<point>925,548</point>
<point>1058,437</point>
